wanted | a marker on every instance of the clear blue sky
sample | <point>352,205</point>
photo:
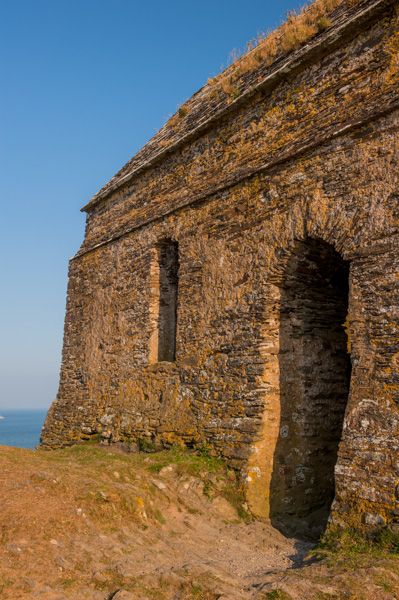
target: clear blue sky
<point>84,84</point>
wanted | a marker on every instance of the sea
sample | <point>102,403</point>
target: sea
<point>21,428</point>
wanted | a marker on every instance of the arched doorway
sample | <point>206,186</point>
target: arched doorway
<point>314,373</point>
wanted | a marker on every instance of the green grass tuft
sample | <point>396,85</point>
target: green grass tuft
<point>350,543</point>
<point>187,462</point>
<point>146,445</point>
<point>323,23</point>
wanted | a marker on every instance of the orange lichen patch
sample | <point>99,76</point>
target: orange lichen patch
<point>392,47</point>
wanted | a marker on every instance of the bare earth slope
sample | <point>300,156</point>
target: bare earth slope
<point>87,523</point>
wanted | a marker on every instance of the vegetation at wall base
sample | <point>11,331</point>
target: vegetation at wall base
<point>94,521</point>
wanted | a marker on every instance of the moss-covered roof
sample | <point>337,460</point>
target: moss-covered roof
<point>318,25</point>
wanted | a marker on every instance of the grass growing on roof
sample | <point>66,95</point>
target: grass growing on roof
<point>300,27</point>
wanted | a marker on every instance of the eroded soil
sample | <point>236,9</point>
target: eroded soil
<point>87,523</point>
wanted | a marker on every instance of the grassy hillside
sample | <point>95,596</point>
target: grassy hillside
<point>96,524</point>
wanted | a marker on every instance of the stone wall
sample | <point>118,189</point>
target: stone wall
<point>305,170</point>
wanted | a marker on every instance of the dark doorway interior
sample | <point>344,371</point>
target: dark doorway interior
<point>314,386</point>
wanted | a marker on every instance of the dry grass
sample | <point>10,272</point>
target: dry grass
<point>299,27</point>
<point>84,522</point>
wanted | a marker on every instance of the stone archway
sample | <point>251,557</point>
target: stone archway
<point>314,377</point>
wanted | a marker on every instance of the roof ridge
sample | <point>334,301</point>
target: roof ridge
<point>206,108</point>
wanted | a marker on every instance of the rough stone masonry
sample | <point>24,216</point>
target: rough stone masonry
<point>238,285</point>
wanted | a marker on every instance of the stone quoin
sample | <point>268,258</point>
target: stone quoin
<point>238,285</point>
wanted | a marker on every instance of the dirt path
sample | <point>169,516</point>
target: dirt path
<point>89,524</point>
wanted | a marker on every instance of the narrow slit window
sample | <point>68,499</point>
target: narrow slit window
<point>163,306</point>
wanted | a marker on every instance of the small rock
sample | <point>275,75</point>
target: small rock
<point>140,504</point>
<point>159,484</point>
<point>374,519</point>
<point>13,549</point>
<point>167,470</point>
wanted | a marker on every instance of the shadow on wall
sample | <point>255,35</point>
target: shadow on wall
<point>314,386</point>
